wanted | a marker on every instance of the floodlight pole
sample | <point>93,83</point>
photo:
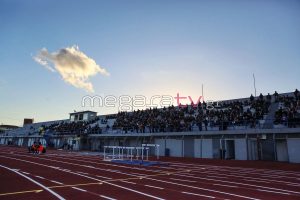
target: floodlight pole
<point>254,85</point>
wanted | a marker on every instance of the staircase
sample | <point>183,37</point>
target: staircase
<point>271,116</point>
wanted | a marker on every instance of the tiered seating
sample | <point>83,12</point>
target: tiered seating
<point>288,113</point>
<point>208,117</point>
<point>31,129</point>
<point>224,115</point>
<point>74,128</point>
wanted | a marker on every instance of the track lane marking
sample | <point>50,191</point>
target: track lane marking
<point>129,182</point>
<point>37,183</point>
<point>276,192</point>
<point>245,184</point>
<point>89,161</point>
<point>79,189</point>
<point>205,189</point>
<point>40,177</point>
<point>125,188</point>
<point>160,188</point>
<point>106,197</point>
<point>232,186</point>
<point>21,192</point>
<point>201,195</point>
<point>103,177</point>
<point>177,179</point>
<point>56,182</point>
<point>116,170</point>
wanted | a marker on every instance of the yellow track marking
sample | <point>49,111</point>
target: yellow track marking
<point>95,183</point>
<point>21,192</point>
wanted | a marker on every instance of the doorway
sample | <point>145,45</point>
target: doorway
<point>230,149</point>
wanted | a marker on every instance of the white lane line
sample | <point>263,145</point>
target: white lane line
<point>106,197</point>
<point>54,167</point>
<point>26,173</point>
<point>56,182</point>
<point>273,191</point>
<point>257,181</point>
<point>205,189</point>
<point>145,194</point>
<point>232,186</point>
<point>139,174</point>
<point>40,177</point>
<point>201,195</point>
<point>103,177</point>
<point>112,170</point>
<point>82,172</point>
<point>176,179</point>
<point>251,185</point>
<point>39,184</point>
<point>216,177</point>
<point>160,188</point>
<point>125,188</point>
<point>294,184</point>
<point>129,182</point>
<point>82,190</point>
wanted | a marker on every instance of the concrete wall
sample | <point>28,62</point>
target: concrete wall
<point>198,148</point>
<point>189,148</point>
<point>286,150</point>
<point>282,151</point>
<point>95,144</point>
<point>252,149</point>
<point>216,148</point>
<point>162,146</point>
<point>267,149</point>
<point>240,146</point>
<point>175,146</point>
<point>294,150</point>
<point>207,148</point>
<point>2,141</point>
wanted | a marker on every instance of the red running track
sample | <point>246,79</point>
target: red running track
<point>75,175</point>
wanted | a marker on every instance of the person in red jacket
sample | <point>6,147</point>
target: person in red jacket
<point>40,148</point>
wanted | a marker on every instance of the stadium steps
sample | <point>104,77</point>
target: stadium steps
<point>270,117</point>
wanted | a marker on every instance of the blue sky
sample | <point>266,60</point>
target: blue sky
<point>149,48</point>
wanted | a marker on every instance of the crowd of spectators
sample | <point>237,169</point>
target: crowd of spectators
<point>155,120</point>
<point>183,118</point>
<point>72,128</point>
<point>288,113</point>
<point>204,116</point>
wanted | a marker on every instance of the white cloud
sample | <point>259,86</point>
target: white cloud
<point>74,66</point>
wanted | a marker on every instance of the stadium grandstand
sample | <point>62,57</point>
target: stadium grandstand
<point>150,100</point>
<point>266,127</point>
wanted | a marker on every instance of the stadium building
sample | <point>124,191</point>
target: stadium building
<point>255,128</point>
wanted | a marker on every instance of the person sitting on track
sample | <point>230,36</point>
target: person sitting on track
<point>31,149</point>
<point>36,148</point>
<point>41,149</point>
